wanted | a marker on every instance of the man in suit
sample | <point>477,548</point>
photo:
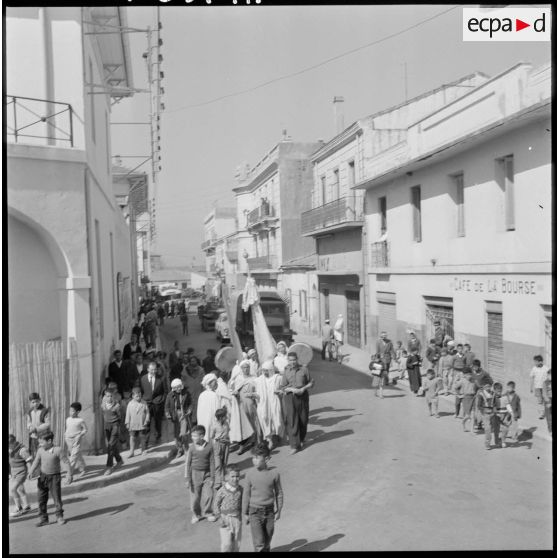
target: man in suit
<point>136,369</point>
<point>175,357</point>
<point>384,347</point>
<point>132,347</point>
<point>117,371</point>
<point>154,394</point>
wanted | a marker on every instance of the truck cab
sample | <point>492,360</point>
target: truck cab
<point>276,315</point>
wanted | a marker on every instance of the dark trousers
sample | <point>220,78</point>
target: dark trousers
<point>324,348</point>
<point>457,405</point>
<point>184,328</point>
<point>548,415</point>
<point>156,412</point>
<point>112,436</point>
<point>50,484</point>
<point>221,453</point>
<point>33,446</point>
<point>262,523</point>
<point>297,408</point>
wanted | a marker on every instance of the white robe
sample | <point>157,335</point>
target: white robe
<point>280,362</point>
<point>225,396</point>
<point>269,405</point>
<point>208,403</point>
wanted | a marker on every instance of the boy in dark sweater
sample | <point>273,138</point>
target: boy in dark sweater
<point>228,506</point>
<point>49,459</point>
<point>38,420</point>
<point>112,418</point>
<point>262,500</point>
<point>200,473</point>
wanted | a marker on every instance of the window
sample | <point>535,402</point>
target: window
<point>326,303</point>
<point>415,202</point>
<point>302,304</point>
<point>351,177</point>
<point>107,132</point>
<point>324,189</point>
<point>335,193</point>
<point>505,178</point>
<point>459,203</point>
<point>382,209</point>
<point>99,278</point>
<point>92,100</point>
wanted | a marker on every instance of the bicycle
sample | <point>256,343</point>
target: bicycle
<point>333,349</point>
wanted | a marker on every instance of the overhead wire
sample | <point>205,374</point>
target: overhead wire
<point>312,67</point>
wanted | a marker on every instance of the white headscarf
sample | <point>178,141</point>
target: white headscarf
<point>208,378</point>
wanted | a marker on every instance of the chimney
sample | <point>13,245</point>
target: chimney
<point>339,114</point>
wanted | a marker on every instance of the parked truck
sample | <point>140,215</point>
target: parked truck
<point>276,314</point>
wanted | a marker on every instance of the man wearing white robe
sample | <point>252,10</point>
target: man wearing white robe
<point>208,403</point>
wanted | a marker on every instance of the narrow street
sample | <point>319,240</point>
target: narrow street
<point>375,475</point>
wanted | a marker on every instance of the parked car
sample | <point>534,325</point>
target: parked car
<point>222,327</point>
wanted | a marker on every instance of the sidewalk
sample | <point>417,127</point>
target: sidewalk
<point>96,465</point>
<point>358,360</point>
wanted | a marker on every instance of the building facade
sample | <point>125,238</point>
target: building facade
<point>336,217</point>
<point>269,198</point>
<point>69,247</point>
<point>458,220</point>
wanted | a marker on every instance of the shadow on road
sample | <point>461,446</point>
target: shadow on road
<point>317,436</point>
<point>33,514</point>
<point>111,510</point>
<point>327,409</point>
<point>302,545</point>
<point>332,420</point>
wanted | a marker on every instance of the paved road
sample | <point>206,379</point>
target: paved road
<point>375,475</point>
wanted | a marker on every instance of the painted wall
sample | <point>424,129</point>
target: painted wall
<point>340,252</point>
<point>484,206</point>
<point>34,312</point>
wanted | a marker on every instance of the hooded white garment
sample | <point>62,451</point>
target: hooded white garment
<point>224,396</point>
<point>338,328</point>
<point>208,402</point>
<point>269,404</point>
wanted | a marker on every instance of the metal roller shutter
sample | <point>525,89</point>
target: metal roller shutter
<point>387,320</point>
<point>353,318</point>
<point>495,363</point>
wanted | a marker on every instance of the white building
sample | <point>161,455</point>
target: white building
<point>459,224</point>
<point>336,217</point>
<point>69,248</point>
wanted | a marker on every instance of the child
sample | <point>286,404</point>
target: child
<point>376,369</point>
<point>445,368</point>
<point>262,500</point>
<point>48,459</point>
<point>413,371</point>
<point>200,473</point>
<point>38,420</point>
<point>465,389</point>
<point>137,421</point>
<point>221,442</point>
<point>228,506</point>
<point>178,408</point>
<point>485,401</point>
<point>75,431</point>
<point>19,457</point>
<point>403,364</point>
<point>112,417</point>
<point>511,405</point>
<point>432,387</point>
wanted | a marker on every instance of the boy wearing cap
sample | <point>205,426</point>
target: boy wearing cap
<point>486,406</point>
<point>178,408</point>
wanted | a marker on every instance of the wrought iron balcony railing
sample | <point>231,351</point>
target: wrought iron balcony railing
<point>347,209</point>
<point>379,254</point>
<point>260,215</point>
<point>262,262</point>
<point>27,117</point>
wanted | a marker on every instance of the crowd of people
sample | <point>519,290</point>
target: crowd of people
<point>256,406</point>
<point>453,369</point>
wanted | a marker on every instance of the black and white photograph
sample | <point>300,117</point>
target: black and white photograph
<point>280,277</point>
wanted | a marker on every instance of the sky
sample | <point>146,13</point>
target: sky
<point>211,51</point>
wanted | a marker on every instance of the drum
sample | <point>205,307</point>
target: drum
<point>225,359</point>
<point>303,351</point>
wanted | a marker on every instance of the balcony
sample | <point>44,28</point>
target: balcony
<point>262,262</point>
<point>344,213</point>
<point>208,244</point>
<point>379,254</point>
<point>262,216</point>
<point>39,121</point>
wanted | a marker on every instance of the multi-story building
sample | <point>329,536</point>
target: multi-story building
<point>335,219</point>
<point>219,244</point>
<point>269,198</point>
<point>69,247</point>
<point>459,222</point>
